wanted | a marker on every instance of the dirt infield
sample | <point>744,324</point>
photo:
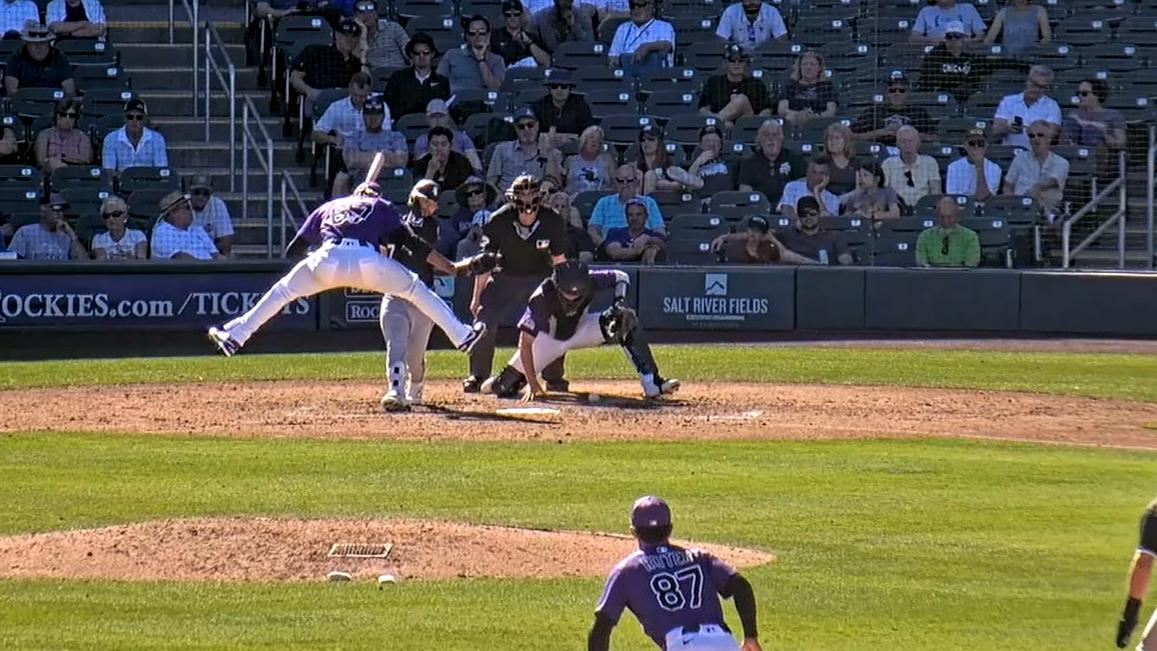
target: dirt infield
<point>349,409</point>
<point>274,549</point>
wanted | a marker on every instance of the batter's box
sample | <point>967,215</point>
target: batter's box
<point>360,550</point>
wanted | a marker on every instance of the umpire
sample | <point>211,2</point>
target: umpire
<point>1138,584</point>
<point>530,239</point>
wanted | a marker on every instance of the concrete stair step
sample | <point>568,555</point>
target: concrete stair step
<point>180,103</point>
<point>169,77</point>
<point>186,154</point>
<point>219,178</point>
<point>164,55</point>
<point>189,128</point>
<point>158,31</point>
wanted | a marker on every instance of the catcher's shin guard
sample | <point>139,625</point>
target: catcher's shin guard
<point>639,352</point>
<point>506,384</point>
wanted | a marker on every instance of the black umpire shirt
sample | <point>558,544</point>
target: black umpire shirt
<point>406,95</point>
<point>414,255</point>
<point>718,91</point>
<point>526,250</point>
<point>325,67</point>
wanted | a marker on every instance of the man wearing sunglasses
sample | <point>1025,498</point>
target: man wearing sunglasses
<point>880,122</point>
<point>411,89</point>
<point>1039,172</point>
<point>563,22</point>
<point>473,66</point>
<point>531,239</point>
<point>948,244</point>
<point>735,93</point>
<point>611,211</point>
<point>134,144</point>
<point>51,239</point>
<point>385,40</point>
<point>527,154</point>
<point>211,213</point>
<point>949,68</point>
<point>932,21</point>
<point>561,114</point>
<point>974,174</point>
<point>1017,111</point>
<point>513,43</point>
<point>751,23</point>
<point>643,43</point>
<point>808,242</point>
<point>37,64</point>
<point>911,174</point>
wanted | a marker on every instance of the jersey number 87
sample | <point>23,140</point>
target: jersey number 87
<point>669,588</point>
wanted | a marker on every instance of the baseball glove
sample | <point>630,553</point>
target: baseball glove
<point>621,322</point>
<point>484,262</point>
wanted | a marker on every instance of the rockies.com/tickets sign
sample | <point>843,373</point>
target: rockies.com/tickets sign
<point>97,301</point>
<point>715,299</point>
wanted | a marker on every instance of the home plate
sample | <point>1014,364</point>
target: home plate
<point>527,411</point>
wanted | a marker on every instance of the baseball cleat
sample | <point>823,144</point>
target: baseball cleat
<point>224,342</point>
<point>471,385</point>
<point>392,402</point>
<point>487,385</point>
<point>668,387</point>
<point>476,332</point>
<point>559,386</point>
<point>414,394</point>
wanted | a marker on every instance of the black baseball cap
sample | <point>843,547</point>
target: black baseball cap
<point>349,27</point>
<point>374,104</point>
<point>807,205</point>
<point>650,511</point>
<point>652,130</point>
<point>758,223</point>
<point>512,5</point>
<point>136,104</point>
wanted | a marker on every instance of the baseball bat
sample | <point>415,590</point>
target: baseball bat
<point>376,166</point>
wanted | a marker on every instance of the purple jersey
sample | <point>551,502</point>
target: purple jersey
<point>546,313</point>
<point>354,218</point>
<point>666,586</point>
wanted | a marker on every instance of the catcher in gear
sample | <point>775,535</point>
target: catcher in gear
<point>1139,571</point>
<point>558,319</point>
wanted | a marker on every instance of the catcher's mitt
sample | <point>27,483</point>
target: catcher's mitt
<point>620,321</point>
<point>484,262</point>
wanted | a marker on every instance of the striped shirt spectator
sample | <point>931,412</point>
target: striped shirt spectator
<point>176,236</point>
<point>134,144</point>
<point>14,15</point>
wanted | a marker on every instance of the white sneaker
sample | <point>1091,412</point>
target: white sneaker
<point>394,402</point>
<point>476,332</point>
<point>224,342</point>
<point>669,387</point>
<point>414,394</point>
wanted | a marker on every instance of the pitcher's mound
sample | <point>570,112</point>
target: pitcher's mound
<point>274,549</point>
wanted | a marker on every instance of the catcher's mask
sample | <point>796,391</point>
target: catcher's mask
<point>525,193</point>
<point>572,279</point>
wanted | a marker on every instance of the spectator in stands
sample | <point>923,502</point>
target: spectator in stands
<point>807,94</point>
<point>118,242</point>
<point>771,167</point>
<point>328,66</point>
<point>815,184</point>
<point>525,155</point>
<point>750,23</point>
<point>911,174</point>
<point>63,144</point>
<point>709,172</point>
<point>932,21</point>
<point>411,89</point>
<point>134,144</point>
<point>1091,124</point>
<point>473,66</point>
<point>581,246</point>
<point>635,242</point>
<point>948,244</point>
<point>609,10</point>
<point>176,237</point>
<point>591,167</point>
<point>644,43</point>
<point>561,113</point>
<point>460,235</point>
<point>343,119</point>
<point>385,40</point>
<point>37,64</point>
<point>442,164</point>
<point>211,213</point>
<point>51,239</point>
<point>1022,109</point>
<point>1020,26</point>
<point>879,122</point>
<point>948,68</point>
<point>610,211</point>
<point>872,199</point>
<point>513,42</point>
<point>10,153</point>
<point>563,22</point>
<point>438,115</point>
<point>755,245</point>
<point>76,18</point>
<point>735,93</point>
<point>656,164</point>
<point>275,9</point>
<point>810,241</point>
<point>841,153</point>
<point>973,174</point>
<point>15,15</point>
<point>1039,172</point>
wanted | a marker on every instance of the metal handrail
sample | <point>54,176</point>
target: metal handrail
<point>229,84</point>
<point>265,159</point>
<point>288,184</point>
<point>1118,218</point>
<point>1151,169</point>
<point>192,10</point>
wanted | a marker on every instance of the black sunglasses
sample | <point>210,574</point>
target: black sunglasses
<point>68,114</point>
<point>944,246</point>
<point>977,143</point>
<point>897,91</point>
<point>115,213</point>
<point>511,14</point>
<point>526,126</point>
<point>135,117</point>
<point>202,192</point>
<point>911,181</point>
<point>626,180</point>
<point>953,36</point>
<point>475,192</point>
<point>1084,93</point>
<point>557,86</point>
<point>478,32</point>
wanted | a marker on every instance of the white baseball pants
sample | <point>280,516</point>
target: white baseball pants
<point>407,334</point>
<point>546,349</point>
<point>707,638</point>
<point>347,263</point>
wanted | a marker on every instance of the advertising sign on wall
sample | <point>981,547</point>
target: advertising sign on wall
<point>681,299</point>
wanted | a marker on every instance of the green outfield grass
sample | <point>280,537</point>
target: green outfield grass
<point>1102,375</point>
<point>882,545</point>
